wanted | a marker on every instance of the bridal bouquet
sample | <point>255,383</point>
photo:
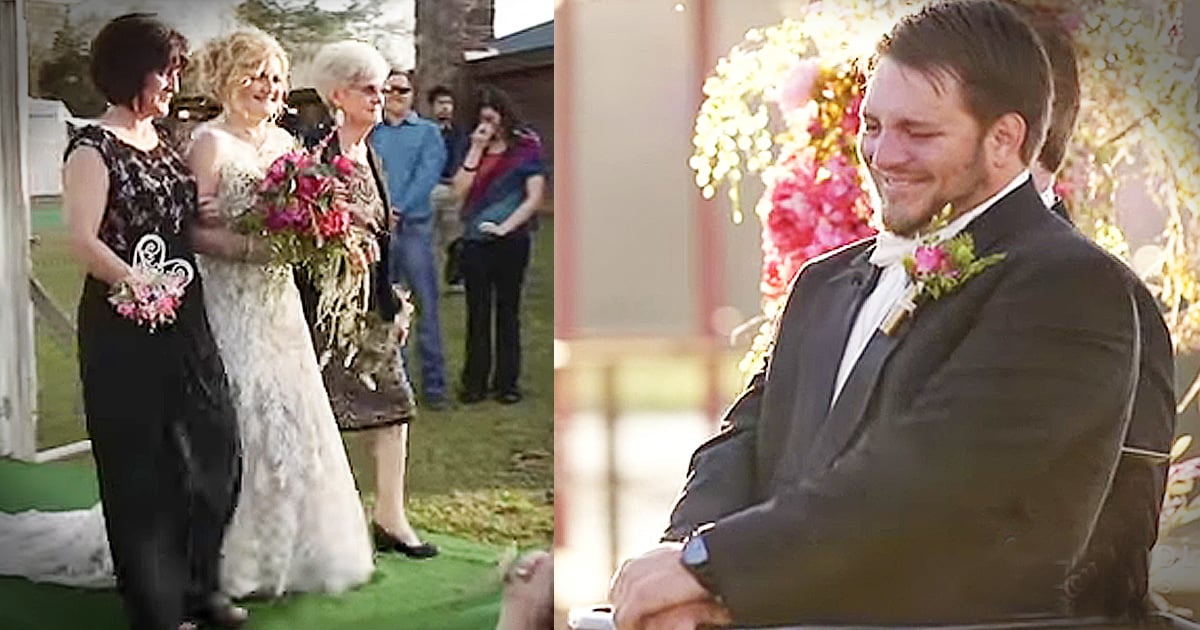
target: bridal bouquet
<point>306,212</point>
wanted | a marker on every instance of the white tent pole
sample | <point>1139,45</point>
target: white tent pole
<point>18,377</point>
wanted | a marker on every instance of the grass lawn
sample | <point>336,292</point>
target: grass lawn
<point>481,472</point>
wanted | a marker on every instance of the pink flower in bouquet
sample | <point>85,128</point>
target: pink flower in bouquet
<point>285,164</point>
<point>293,215</point>
<point>931,259</point>
<point>150,297</point>
<point>300,159</point>
<point>275,176</point>
<point>798,87</point>
<point>310,187</point>
<point>344,165</point>
<point>334,222</point>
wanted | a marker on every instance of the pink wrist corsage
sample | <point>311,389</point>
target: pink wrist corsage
<point>153,293</point>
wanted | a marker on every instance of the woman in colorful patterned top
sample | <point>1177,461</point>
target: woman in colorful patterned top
<point>503,179</point>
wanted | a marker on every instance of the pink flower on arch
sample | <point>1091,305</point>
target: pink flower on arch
<point>797,88</point>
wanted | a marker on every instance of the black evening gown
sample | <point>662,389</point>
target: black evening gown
<point>158,409</point>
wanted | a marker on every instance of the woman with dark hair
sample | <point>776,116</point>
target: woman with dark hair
<point>157,403</point>
<point>503,179</point>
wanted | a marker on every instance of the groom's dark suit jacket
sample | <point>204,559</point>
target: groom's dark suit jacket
<point>960,474</point>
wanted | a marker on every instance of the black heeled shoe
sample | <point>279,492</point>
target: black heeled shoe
<point>220,613</point>
<point>387,542</point>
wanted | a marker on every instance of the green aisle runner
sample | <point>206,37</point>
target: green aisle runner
<point>458,590</point>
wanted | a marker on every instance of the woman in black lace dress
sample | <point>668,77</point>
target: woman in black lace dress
<point>159,415</point>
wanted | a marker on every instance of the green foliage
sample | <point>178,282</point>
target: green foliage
<point>301,24</point>
<point>64,76</point>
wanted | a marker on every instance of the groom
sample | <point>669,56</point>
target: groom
<point>932,464</point>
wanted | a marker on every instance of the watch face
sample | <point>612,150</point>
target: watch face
<point>695,553</point>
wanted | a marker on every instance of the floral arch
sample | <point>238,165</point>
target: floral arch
<point>783,105</point>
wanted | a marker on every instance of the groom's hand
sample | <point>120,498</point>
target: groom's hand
<point>650,584</point>
<point>689,616</point>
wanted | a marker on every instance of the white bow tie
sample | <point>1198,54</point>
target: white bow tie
<point>892,248</point>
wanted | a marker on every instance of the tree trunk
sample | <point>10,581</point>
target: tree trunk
<point>444,30</point>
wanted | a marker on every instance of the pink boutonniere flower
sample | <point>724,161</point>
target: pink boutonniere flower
<point>940,268</point>
<point>937,268</point>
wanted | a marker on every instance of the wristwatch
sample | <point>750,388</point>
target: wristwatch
<point>694,558</point>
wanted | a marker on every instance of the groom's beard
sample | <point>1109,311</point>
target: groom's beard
<point>961,190</point>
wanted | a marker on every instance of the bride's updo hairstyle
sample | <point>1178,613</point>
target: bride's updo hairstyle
<point>226,62</point>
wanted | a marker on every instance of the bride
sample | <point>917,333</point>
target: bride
<point>299,524</point>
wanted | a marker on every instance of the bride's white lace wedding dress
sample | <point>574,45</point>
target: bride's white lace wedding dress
<point>299,524</point>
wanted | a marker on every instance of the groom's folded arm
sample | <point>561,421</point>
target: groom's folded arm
<point>720,479</point>
<point>1043,375</point>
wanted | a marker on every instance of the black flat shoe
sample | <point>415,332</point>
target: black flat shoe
<point>387,542</point>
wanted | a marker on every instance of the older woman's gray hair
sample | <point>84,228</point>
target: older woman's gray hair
<point>342,64</point>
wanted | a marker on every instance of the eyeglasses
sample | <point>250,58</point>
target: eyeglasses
<point>386,90</point>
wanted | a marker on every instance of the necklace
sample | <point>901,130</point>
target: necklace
<point>254,135</point>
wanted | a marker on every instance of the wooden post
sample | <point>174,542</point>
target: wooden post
<point>709,253</point>
<point>18,384</point>
<point>565,256</point>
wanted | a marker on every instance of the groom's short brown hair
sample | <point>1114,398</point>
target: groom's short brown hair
<point>993,54</point>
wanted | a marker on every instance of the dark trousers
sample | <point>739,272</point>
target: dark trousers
<point>494,272</point>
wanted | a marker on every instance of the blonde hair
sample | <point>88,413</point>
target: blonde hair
<point>341,64</point>
<point>226,61</point>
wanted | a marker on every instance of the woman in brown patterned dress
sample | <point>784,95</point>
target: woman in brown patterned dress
<point>370,391</point>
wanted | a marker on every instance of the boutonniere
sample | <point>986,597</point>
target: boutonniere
<point>936,269</point>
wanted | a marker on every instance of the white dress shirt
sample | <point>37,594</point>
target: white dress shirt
<point>893,281</point>
<point>1049,197</point>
